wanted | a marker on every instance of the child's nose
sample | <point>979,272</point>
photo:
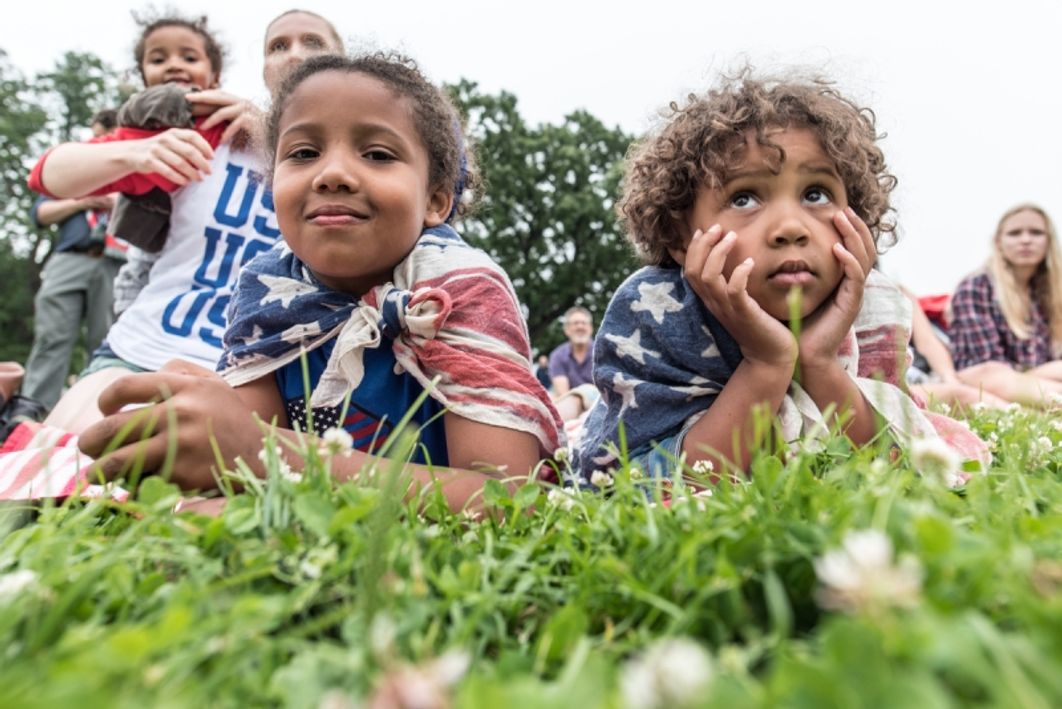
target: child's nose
<point>789,228</point>
<point>337,173</point>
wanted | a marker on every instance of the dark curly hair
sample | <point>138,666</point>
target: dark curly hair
<point>704,141</point>
<point>150,22</point>
<point>451,164</point>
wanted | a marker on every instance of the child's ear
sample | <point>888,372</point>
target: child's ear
<point>215,81</point>
<point>440,204</point>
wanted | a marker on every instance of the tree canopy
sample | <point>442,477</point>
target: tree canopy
<point>548,212</point>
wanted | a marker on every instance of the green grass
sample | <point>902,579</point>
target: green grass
<point>307,593</point>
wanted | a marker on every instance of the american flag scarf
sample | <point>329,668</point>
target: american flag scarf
<point>449,313</point>
<point>661,358</point>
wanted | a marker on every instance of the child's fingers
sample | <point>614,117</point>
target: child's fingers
<point>738,285</point>
<point>713,265</point>
<point>857,237</point>
<point>700,246</point>
<point>132,425</point>
<point>145,454</point>
<point>853,269</point>
<point>225,113</point>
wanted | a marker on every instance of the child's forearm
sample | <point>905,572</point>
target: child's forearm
<point>461,488</point>
<point>829,385</point>
<point>726,434</point>
<point>78,169</point>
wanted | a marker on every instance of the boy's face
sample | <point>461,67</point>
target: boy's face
<point>783,217</point>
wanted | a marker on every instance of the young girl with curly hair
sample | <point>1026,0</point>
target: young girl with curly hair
<point>758,209</point>
<point>1006,328</point>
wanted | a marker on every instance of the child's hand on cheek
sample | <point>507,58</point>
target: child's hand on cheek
<point>762,338</point>
<point>824,331</point>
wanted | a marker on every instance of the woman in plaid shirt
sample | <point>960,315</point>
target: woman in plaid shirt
<point>1006,328</point>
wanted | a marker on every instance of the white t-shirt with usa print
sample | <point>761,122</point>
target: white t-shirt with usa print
<point>216,226</point>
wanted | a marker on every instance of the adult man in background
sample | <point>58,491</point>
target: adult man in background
<point>571,365</point>
<point>76,284</point>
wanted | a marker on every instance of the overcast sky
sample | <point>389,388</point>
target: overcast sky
<point>970,98</point>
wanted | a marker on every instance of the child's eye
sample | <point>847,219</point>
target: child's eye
<point>378,154</point>
<point>743,200</point>
<point>302,154</point>
<point>817,195</point>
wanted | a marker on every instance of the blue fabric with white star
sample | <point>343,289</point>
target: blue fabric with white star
<point>660,360</point>
<point>260,324</point>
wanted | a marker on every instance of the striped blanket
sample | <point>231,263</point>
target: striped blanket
<point>661,359</point>
<point>449,313</point>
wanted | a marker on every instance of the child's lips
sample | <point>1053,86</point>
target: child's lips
<point>792,273</point>
<point>335,215</point>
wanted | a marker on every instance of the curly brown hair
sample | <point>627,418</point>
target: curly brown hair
<point>703,141</point>
<point>451,163</point>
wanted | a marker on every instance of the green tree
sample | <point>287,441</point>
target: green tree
<point>548,213</point>
<point>37,113</point>
<point>79,85</point>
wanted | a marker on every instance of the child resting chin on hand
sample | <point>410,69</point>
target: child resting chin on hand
<point>755,203</point>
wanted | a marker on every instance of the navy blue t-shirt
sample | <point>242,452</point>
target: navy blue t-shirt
<point>74,231</point>
<point>380,401</point>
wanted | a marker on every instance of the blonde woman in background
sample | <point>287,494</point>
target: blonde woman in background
<point>1006,327</point>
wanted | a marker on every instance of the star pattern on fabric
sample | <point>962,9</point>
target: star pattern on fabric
<point>301,331</point>
<point>655,298</point>
<point>712,350</point>
<point>255,336</point>
<point>625,388</point>
<point>632,347</point>
<point>699,386</point>
<point>283,290</point>
<point>324,417</point>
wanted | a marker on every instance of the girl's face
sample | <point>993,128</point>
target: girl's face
<point>177,55</point>
<point>783,217</point>
<point>350,183</point>
<point>1023,239</point>
<point>292,39</point>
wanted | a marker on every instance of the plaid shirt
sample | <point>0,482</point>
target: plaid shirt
<point>979,331</point>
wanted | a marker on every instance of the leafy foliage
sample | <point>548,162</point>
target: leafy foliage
<point>38,113</point>
<point>307,592</point>
<point>547,216</point>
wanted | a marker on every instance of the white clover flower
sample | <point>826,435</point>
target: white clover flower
<point>16,584</point>
<point>561,454</point>
<point>560,499</point>
<point>861,575</point>
<point>636,473</point>
<point>979,407</point>
<point>671,672</point>
<point>310,570</point>
<point>1045,444</point>
<point>933,458</point>
<point>1057,424</point>
<point>697,498</point>
<point>382,634</point>
<point>336,441</point>
<point>703,467</point>
<point>601,479</point>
